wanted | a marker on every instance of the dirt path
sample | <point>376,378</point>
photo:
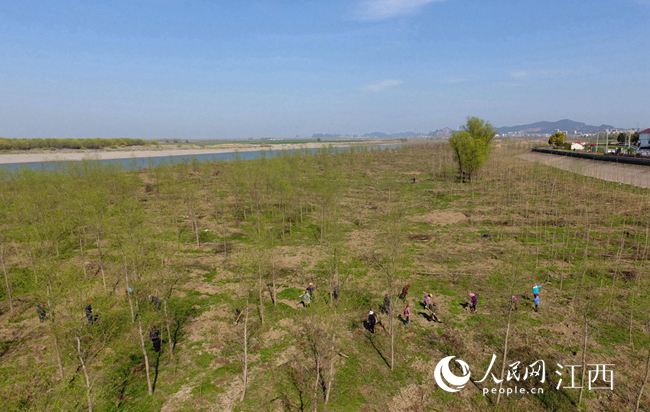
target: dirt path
<point>614,172</point>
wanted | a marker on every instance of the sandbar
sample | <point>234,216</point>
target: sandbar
<point>164,151</point>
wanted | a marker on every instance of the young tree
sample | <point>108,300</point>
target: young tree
<point>471,146</point>
<point>391,260</point>
<point>647,373</point>
<point>505,349</point>
<point>3,255</point>
<point>245,345</point>
<point>85,370</point>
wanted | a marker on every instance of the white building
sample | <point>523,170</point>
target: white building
<point>644,139</point>
<point>577,146</point>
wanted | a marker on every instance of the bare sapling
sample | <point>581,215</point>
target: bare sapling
<point>169,333</point>
<point>128,288</point>
<point>101,258</point>
<point>83,252</point>
<point>83,366</point>
<point>245,344</point>
<point>645,376</point>
<point>505,349</point>
<point>3,258</point>
<point>57,349</point>
<point>144,350</point>
<point>584,353</point>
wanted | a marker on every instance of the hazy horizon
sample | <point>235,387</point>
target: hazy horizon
<point>264,68</point>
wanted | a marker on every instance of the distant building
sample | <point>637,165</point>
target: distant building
<point>644,139</point>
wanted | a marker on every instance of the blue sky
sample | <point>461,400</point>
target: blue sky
<point>279,68</point>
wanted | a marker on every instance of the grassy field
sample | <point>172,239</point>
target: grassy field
<point>210,239</point>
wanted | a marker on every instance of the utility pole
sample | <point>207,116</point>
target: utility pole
<point>607,142</point>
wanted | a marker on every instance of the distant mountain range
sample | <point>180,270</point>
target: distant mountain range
<point>445,133</point>
<point>539,128</point>
<point>373,135</point>
<point>380,135</point>
<point>565,125</point>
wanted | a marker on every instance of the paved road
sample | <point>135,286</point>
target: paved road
<point>613,172</point>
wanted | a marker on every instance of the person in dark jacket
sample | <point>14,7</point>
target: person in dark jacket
<point>40,309</point>
<point>335,292</point>
<point>405,291</point>
<point>372,320</point>
<point>155,301</point>
<point>89,313</point>
<point>386,306</point>
<point>154,335</point>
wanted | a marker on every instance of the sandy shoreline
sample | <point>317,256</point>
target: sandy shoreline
<point>164,151</point>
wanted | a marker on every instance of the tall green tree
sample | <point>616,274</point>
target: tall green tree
<point>471,146</point>
<point>557,139</point>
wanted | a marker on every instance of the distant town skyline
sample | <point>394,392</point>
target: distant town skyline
<point>269,68</point>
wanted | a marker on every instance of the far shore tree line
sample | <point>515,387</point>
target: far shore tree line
<point>49,143</point>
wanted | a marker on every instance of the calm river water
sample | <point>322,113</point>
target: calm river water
<point>148,162</point>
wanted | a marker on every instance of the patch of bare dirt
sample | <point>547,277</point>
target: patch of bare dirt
<point>412,398</point>
<point>226,401</point>
<point>286,323</point>
<point>423,367</point>
<point>177,400</point>
<point>362,240</point>
<point>273,334</point>
<point>287,355</point>
<point>207,325</point>
<point>441,218</point>
<point>290,257</point>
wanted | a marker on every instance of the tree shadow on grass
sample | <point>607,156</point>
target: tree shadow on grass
<point>175,334</point>
<point>155,378</point>
<point>371,339</point>
<point>295,380</point>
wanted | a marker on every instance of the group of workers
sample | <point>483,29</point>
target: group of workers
<point>154,334</point>
<point>427,303</point>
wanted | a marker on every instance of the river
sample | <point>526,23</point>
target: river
<point>137,163</point>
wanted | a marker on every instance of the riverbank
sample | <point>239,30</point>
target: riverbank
<point>164,151</point>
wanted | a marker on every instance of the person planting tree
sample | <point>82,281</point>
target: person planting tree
<point>407,314</point>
